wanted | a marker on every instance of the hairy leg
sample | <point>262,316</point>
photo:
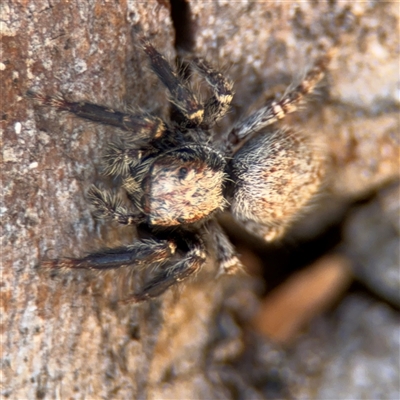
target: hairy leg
<point>119,158</point>
<point>180,95</point>
<point>141,253</point>
<point>173,273</point>
<point>226,254</point>
<point>218,104</point>
<point>146,253</point>
<point>144,126</point>
<point>278,109</point>
<point>108,205</point>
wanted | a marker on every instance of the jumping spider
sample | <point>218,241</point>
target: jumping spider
<point>177,181</point>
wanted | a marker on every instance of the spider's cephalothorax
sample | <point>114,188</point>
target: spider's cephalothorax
<point>176,183</point>
<point>183,186</point>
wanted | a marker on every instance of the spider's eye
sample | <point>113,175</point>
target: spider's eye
<point>182,173</point>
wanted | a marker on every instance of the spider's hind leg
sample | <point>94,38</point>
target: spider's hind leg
<point>278,109</point>
<point>227,258</point>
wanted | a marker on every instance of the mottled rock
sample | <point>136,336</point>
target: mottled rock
<point>64,337</point>
<point>372,240</point>
<point>351,354</point>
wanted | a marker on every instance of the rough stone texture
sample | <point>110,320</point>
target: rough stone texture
<point>64,338</point>
<point>353,354</point>
<point>372,241</point>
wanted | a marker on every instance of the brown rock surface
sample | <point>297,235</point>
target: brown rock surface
<point>351,354</point>
<point>63,338</point>
<point>372,241</point>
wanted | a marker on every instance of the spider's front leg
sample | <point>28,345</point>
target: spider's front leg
<point>173,272</point>
<point>193,112</point>
<point>180,95</point>
<point>160,256</point>
<point>143,126</point>
<point>141,253</point>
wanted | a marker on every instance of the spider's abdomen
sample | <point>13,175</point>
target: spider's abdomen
<point>183,187</point>
<point>277,174</point>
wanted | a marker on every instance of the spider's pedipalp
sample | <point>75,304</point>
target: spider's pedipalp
<point>278,109</point>
<point>218,104</point>
<point>180,95</point>
<point>119,158</point>
<point>108,205</point>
